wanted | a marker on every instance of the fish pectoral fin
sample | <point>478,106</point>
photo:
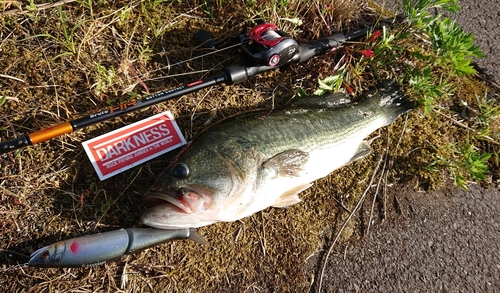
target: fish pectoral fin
<point>288,163</point>
<point>291,196</point>
<point>364,150</point>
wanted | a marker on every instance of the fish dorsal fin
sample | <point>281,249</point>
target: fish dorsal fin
<point>288,163</point>
<point>291,196</point>
<point>332,100</point>
<point>364,150</point>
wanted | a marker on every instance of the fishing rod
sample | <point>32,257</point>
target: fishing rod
<point>263,48</point>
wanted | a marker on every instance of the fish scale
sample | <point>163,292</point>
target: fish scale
<point>253,161</point>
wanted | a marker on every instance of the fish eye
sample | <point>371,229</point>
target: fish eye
<point>180,170</point>
<point>45,255</point>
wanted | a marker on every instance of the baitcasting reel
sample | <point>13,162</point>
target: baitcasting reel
<point>267,45</point>
<point>264,44</point>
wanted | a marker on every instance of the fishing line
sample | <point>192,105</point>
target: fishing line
<point>168,67</point>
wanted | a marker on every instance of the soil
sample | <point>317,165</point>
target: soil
<point>441,241</point>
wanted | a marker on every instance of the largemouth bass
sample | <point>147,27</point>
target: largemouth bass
<point>250,162</point>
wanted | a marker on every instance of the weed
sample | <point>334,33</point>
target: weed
<point>68,35</point>
<point>154,22</point>
<point>124,15</point>
<point>2,101</point>
<point>104,79</point>
<point>31,5</point>
<point>474,162</point>
<point>464,163</point>
<point>208,9</point>
<point>332,83</point>
<point>489,118</point>
<point>435,51</point>
<point>144,51</point>
<point>69,43</point>
<point>427,89</point>
<point>105,206</point>
<point>417,10</point>
<point>454,48</point>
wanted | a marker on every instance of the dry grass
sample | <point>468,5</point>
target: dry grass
<point>59,63</point>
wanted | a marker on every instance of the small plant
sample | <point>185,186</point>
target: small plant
<point>105,206</point>
<point>145,51</point>
<point>463,163</point>
<point>454,48</point>
<point>474,162</point>
<point>427,89</point>
<point>352,64</point>
<point>416,10</point>
<point>69,35</point>
<point>124,15</point>
<point>488,117</point>
<point>332,83</point>
<point>104,79</point>
<point>154,23</point>
<point>31,5</point>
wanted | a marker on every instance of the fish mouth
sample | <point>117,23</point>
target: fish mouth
<point>188,200</point>
<point>168,198</point>
<point>175,209</point>
<point>39,257</point>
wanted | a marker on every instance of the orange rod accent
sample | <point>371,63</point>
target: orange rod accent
<point>51,132</point>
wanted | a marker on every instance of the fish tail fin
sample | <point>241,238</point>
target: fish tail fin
<point>394,102</point>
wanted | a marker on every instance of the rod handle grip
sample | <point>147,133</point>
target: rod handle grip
<point>14,144</point>
<point>314,48</point>
<point>35,137</point>
<point>51,132</point>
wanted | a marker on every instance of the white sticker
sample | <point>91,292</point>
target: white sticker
<point>129,146</point>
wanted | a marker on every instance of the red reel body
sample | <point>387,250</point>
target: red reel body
<point>267,45</point>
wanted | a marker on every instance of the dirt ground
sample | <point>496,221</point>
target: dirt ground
<point>441,241</point>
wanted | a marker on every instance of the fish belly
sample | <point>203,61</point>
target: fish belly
<point>321,163</point>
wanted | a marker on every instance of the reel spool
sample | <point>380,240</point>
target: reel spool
<point>267,45</point>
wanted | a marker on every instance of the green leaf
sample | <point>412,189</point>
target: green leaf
<point>319,92</point>
<point>301,93</point>
<point>324,86</point>
<point>296,21</point>
<point>2,100</point>
<point>460,181</point>
<point>331,79</point>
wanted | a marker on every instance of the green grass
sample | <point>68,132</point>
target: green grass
<point>76,59</point>
<point>433,53</point>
